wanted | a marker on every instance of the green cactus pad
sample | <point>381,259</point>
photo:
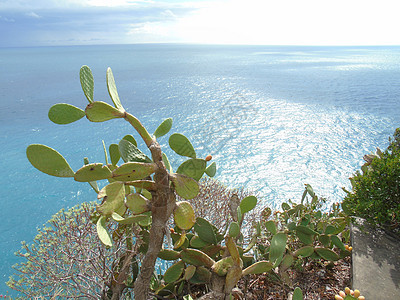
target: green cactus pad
<point>137,203</point>
<point>166,163</point>
<point>258,268</point>
<point>63,113</point>
<point>201,276</point>
<point>133,171</point>
<point>112,90</point>
<point>163,128</point>
<point>87,82</point>
<point>277,247</point>
<point>130,153</point>
<point>48,160</point>
<point>234,229</point>
<point>198,243</point>
<point>247,204</point>
<point>114,194</point>
<point>337,242</point>
<point>207,232</point>
<point>129,220</point>
<point>174,272</point>
<point>327,254</point>
<point>92,172</point>
<point>211,169</point>
<point>114,153</point>
<point>100,111</point>
<point>222,266</point>
<point>189,272</point>
<point>330,229</point>
<point>182,242</point>
<point>233,250</point>
<point>167,254</point>
<point>102,232</point>
<point>184,216</point>
<point>324,239</point>
<point>193,168</point>
<point>185,186</point>
<point>144,186</point>
<point>232,278</point>
<point>287,261</point>
<point>130,138</point>
<point>297,294</point>
<point>197,258</point>
<point>305,251</point>
<point>271,226</point>
<point>181,145</point>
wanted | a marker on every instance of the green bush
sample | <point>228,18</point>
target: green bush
<point>375,194</point>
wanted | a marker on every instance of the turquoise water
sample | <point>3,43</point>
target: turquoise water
<point>273,118</point>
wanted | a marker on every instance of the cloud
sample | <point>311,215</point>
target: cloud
<point>33,15</point>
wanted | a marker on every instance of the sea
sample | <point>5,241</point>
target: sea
<point>273,118</point>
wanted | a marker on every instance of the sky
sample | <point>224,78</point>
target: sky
<point>260,22</point>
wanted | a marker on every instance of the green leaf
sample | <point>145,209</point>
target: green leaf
<point>130,153</point>
<point>234,229</point>
<point>305,251</point>
<point>277,247</point>
<point>185,186</point>
<point>287,261</point>
<point>181,145</point>
<point>92,172</point>
<point>285,206</point>
<point>166,163</point>
<point>133,171</point>
<point>48,160</point>
<point>174,272</point>
<point>100,111</point>
<point>337,242</point>
<point>62,113</point>
<point>113,194</point>
<point>258,268</point>
<point>129,220</point>
<point>325,240</point>
<point>330,229</point>
<point>193,168</point>
<point>167,254</point>
<point>114,153</point>
<point>197,258</point>
<point>271,226</point>
<point>211,169</point>
<point>305,230</point>
<point>93,184</point>
<point>247,204</point>
<point>305,238</point>
<point>327,254</point>
<point>137,203</point>
<point>163,128</point>
<point>112,90</point>
<point>130,138</point>
<point>87,82</point>
<point>102,232</point>
<point>297,294</point>
<point>206,231</point>
<point>197,242</point>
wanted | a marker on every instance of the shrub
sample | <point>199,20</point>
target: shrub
<point>67,259</point>
<point>375,194</point>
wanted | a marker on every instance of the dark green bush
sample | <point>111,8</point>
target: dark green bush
<point>375,194</point>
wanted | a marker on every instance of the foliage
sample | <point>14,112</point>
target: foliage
<point>302,232</point>
<point>375,194</point>
<point>67,259</point>
<point>140,192</point>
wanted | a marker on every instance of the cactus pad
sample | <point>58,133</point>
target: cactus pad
<point>63,113</point>
<point>184,216</point>
<point>181,145</point>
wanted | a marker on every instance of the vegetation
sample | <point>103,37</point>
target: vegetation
<point>375,194</point>
<point>142,198</point>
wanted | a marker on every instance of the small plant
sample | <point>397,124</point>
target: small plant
<point>375,194</point>
<point>349,294</point>
<point>303,232</point>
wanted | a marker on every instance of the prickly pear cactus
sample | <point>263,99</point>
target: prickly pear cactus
<point>141,190</point>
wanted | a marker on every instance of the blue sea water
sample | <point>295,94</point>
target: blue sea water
<point>273,117</point>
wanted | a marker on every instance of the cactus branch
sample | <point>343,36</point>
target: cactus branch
<point>139,128</point>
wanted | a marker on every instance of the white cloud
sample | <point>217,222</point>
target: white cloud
<point>33,15</point>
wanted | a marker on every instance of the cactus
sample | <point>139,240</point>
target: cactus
<point>141,191</point>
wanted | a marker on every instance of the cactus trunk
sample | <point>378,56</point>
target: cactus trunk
<point>163,204</point>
